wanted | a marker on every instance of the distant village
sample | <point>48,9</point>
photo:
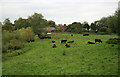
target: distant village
<point>59,27</point>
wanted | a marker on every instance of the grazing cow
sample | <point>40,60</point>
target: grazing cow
<point>53,41</point>
<point>70,41</point>
<point>98,40</point>
<point>54,46</point>
<point>91,42</point>
<point>85,34</point>
<point>42,37</point>
<point>32,40</point>
<point>28,41</point>
<point>63,41</point>
<point>48,37</point>
<point>67,45</point>
<point>71,34</point>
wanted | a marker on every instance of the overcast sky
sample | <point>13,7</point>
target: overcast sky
<point>60,11</point>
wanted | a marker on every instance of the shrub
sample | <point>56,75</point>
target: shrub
<point>26,34</point>
<point>16,44</point>
<point>16,40</point>
<point>4,48</point>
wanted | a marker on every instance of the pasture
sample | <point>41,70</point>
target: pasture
<point>79,59</point>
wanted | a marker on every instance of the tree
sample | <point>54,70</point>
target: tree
<point>86,26</point>
<point>112,20</point>
<point>93,26</point>
<point>102,23</point>
<point>37,23</point>
<point>21,23</point>
<point>103,29</point>
<point>7,24</point>
<point>85,22</point>
<point>75,27</point>
<point>51,23</point>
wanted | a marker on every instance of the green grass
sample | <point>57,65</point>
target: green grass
<point>80,59</point>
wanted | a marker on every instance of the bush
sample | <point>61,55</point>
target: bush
<point>4,48</point>
<point>26,34</point>
<point>16,40</point>
<point>16,44</point>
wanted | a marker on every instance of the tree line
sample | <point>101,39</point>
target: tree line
<point>105,25</point>
<point>36,22</point>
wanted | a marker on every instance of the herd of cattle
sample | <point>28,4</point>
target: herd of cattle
<point>64,41</point>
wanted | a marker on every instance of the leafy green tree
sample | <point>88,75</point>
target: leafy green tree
<point>51,23</point>
<point>103,22</point>
<point>37,23</point>
<point>21,23</point>
<point>75,27</point>
<point>86,26</point>
<point>7,24</point>
<point>93,26</point>
<point>103,29</point>
<point>85,22</point>
<point>111,23</point>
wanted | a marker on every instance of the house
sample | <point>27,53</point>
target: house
<point>61,27</point>
<point>50,29</point>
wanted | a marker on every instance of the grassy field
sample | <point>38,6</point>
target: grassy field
<point>80,59</point>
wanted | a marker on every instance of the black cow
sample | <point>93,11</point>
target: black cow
<point>70,41</point>
<point>71,34</point>
<point>32,40</point>
<point>53,41</point>
<point>67,45</point>
<point>63,41</point>
<point>28,41</point>
<point>91,42</point>
<point>85,34</point>
<point>98,40</point>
